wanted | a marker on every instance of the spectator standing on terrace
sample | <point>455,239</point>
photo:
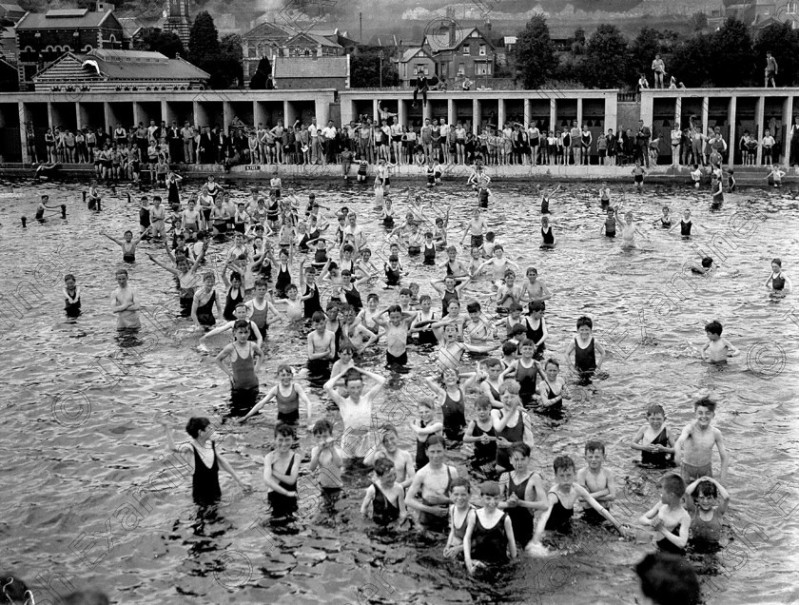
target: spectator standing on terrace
<point>188,134</point>
<point>315,142</point>
<point>421,86</point>
<point>329,142</point>
<point>173,137</point>
<point>771,69</point>
<point>659,69</point>
<point>642,143</point>
<point>676,140</point>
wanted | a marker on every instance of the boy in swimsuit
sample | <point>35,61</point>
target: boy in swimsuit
<point>385,497</point>
<point>359,436</point>
<point>459,513</point>
<point>653,440</point>
<point>668,516</point>
<point>281,469</point>
<point>706,513</point>
<point>561,500</point>
<point>489,532</point>
<point>535,289</point>
<point>240,313</point>
<point>321,347</point>
<point>694,448</point>
<point>597,481</point>
<point>434,481</point>
<point>245,360</point>
<point>552,391</point>
<point>71,296</point>
<point>288,405</point>
<point>327,461</point>
<point>124,303</point>
<point>718,349</point>
<point>128,245</point>
<point>584,353</point>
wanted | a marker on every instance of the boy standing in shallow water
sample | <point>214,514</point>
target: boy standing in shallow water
<point>694,449</point>
<point>598,481</point>
<point>124,303</point>
<point>718,349</point>
<point>670,521</point>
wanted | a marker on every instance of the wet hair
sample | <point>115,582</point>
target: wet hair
<point>714,327</point>
<point>776,261</point>
<point>284,430</point>
<point>372,297</point>
<point>482,402</point>
<point>673,484</point>
<point>473,307</point>
<point>491,362</point>
<point>428,234</point>
<point>594,445</point>
<point>668,579</point>
<point>322,426</point>
<point>235,275</point>
<point>536,305</point>
<point>521,448</point>
<point>705,402</point>
<point>515,306</point>
<point>562,463</point>
<point>552,361</point>
<point>261,283</point>
<point>461,482</point>
<point>121,272</point>
<point>352,375</point>
<point>318,316</point>
<point>433,440</point>
<point>498,247</point>
<point>196,424</point>
<point>388,428</point>
<point>526,342</point>
<point>424,298</point>
<point>382,466</point>
<point>452,249</point>
<point>508,348</point>
<point>393,259</point>
<point>348,248</point>
<point>490,237</point>
<point>405,292</point>
<point>655,408</point>
<point>128,231</point>
<point>707,488</point>
<point>489,488</point>
<point>241,324</point>
<point>291,287</point>
<point>69,276</point>
<point>284,367</point>
<point>707,262</point>
<point>584,321</point>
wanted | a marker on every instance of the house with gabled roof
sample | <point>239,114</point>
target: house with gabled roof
<point>307,44</point>
<point>461,52</point>
<point>413,61</point>
<point>119,70</point>
<point>263,41</point>
<point>44,37</point>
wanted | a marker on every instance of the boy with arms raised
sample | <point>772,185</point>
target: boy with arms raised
<point>694,449</point>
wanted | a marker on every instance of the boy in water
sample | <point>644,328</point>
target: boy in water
<point>327,460</point>
<point>124,303</point>
<point>561,500</point>
<point>434,481</point>
<point>321,347</point>
<point>385,496</point>
<point>584,353</point>
<point>694,449</point>
<point>598,481</point>
<point>669,520</point>
<point>718,349</point>
<point>653,440</point>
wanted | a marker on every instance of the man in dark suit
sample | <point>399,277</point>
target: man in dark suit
<point>207,148</point>
<point>421,85</point>
<point>642,143</point>
<point>175,142</point>
<point>222,143</point>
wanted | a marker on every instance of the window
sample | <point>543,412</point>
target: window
<point>791,8</point>
<point>466,50</point>
<point>483,69</point>
<point>482,50</point>
<point>421,67</point>
<point>461,70</point>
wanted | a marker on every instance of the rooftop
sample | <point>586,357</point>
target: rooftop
<point>131,65</point>
<point>63,18</point>
<point>304,67</point>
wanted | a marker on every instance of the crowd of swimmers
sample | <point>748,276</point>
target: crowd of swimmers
<point>313,266</point>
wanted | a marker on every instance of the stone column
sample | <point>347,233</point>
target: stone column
<point>787,120</point>
<point>731,140</point>
<point>527,116</point>
<point>553,114</point>
<point>760,111</point>
<point>451,111</point>
<point>501,114</point>
<point>476,116</point>
<point>23,136</point>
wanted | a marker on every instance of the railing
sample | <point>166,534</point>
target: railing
<point>627,97</point>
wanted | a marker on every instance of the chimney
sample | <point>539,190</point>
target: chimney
<point>488,24</point>
<point>452,33</point>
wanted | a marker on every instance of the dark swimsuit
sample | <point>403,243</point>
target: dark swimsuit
<point>585,358</point>
<point>454,418</point>
<point>205,483</point>
<point>283,506</point>
<point>72,308</point>
<point>610,227</point>
<point>520,517</point>
<point>313,304</point>
<point>536,334</point>
<point>659,459</point>
<point>778,283</point>
<point>283,281</point>
<point>685,228</point>
<point>288,407</point>
<point>666,546</point>
<point>383,510</point>
<point>429,254</point>
<point>560,517</point>
<point>231,303</point>
<point>205,312</point>
<point>484,453</point>
<point>549,238</point>
<point>490,544</point>
<point>514,434</point>
<point>526,377</point>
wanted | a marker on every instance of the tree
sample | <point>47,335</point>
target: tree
<point>606,62</point>
<point>203,41</point>
<point>578,46</point>
<point>731,58</point>
<point>699,21</point>
<point>365,69</point>
<point>260,79</point>
<point>782,42</point>
<point>690,62</point>
<point>643,50</point>
<point>166,43</point>
<point>230,60</point>
<point>535,53</point>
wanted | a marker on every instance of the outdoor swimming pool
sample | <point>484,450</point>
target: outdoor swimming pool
<point>93,497</point>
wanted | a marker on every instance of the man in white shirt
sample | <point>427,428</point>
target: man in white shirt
<point>329,133</point>
<point>316,145</point>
